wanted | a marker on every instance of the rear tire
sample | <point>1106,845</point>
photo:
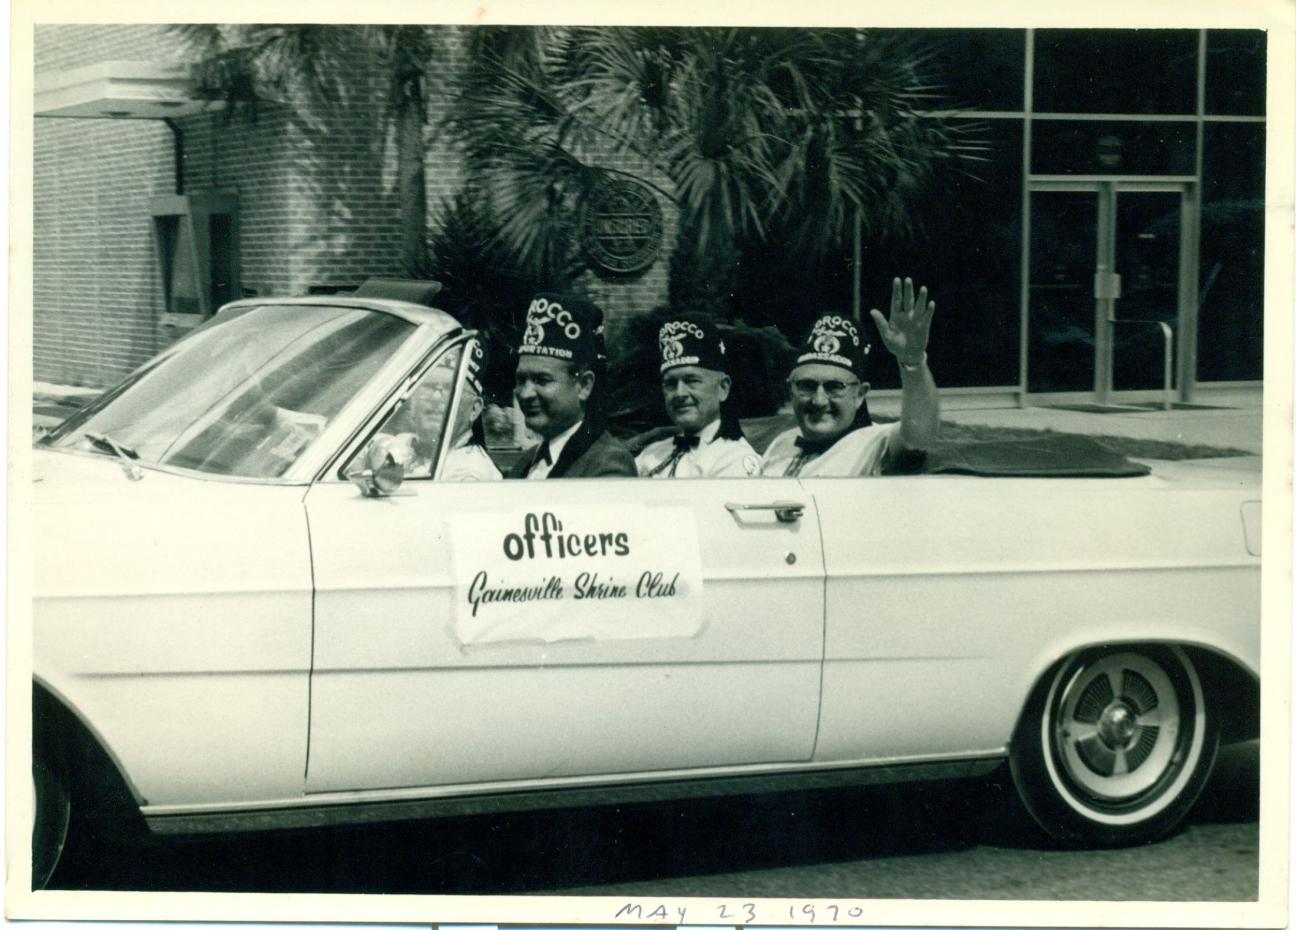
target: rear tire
<point>1115,745</point>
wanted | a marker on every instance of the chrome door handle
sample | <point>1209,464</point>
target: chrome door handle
<point>785,511</point>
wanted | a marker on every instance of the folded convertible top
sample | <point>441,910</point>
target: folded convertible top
<point>1050,455</point>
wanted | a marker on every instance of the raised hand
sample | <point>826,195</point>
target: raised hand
<point>905,334</point>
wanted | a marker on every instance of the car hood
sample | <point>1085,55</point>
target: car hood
<point>95,531</point>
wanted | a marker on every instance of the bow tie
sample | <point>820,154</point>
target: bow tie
<point>684,442</point>
<point>814,446</point>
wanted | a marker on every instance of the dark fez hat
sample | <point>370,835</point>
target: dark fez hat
<point>691,340</point>
<point>565,327</point>
<point>834,340</point>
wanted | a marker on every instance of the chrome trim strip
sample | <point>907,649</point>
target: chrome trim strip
<point>416,803</point>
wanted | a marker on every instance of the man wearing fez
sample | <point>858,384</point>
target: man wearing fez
<point>833,437</point>
<point>467,459</point>
<point>710,443</point>
<point>559,362</point>
<point>425,411</point>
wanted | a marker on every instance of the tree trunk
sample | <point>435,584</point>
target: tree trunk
<point>412,186</point>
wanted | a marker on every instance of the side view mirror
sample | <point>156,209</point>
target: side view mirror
<point>382,474</point>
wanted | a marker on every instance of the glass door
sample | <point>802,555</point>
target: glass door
<point>1104,292</point>
<point>1063,254</point>
<point>1147,247</point>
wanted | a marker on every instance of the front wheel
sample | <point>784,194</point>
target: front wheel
<point>52,808</point>
<point>1115,745</point>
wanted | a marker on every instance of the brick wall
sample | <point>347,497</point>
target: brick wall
<point>318,203</point>
<point>95,297</point>
<point>249,160</point>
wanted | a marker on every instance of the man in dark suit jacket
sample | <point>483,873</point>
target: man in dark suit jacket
<point>559,361</point>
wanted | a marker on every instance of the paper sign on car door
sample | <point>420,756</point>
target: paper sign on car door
<point>576,572</point>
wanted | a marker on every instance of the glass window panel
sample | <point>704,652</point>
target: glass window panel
<point>220,236</point>
<point>1116,71</point>
<point>974,68</point>
<point>1063,257</point>
<point>179,271</point>
<point>1235,72</point>
<point>1148,230</point>
<point>1112,147</point>
<point>414,431</point>
<point>1230,341</point>
<point>246,394</point>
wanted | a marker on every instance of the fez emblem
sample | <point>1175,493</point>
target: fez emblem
<point>544,311</point>
<point>829,332</point>
<point>827,344</point>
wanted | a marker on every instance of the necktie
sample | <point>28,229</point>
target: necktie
<point>683,444</point>
<point>542,455</point>
<point>807,448</point>
<point>813,446</point>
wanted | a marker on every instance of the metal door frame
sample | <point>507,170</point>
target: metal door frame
<point>1107,288</point>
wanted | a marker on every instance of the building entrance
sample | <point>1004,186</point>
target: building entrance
<point>1110,297</point>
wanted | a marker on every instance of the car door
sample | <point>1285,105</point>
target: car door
<point>514,630</point>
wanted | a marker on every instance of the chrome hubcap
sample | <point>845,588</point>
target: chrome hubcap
<point>1117,726</point>
<point>1117,729</point>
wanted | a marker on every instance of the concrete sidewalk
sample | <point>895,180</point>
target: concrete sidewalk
<point>1236,427</point>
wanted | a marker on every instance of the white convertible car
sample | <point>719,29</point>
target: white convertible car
<point>245,618</point>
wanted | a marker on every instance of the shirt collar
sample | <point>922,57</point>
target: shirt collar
<point>708,432</point>
<point>556,444</point>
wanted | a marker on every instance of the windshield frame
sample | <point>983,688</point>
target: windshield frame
<point>430,327</point>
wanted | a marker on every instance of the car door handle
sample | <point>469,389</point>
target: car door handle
<point>785,511</point>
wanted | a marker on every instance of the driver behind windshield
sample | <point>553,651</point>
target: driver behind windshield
<point>833,436</point>
<point>425,410</point>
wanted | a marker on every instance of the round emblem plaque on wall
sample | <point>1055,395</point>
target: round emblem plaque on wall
<point>621,226</point>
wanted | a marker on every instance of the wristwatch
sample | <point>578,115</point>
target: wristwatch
<point>915,366</point>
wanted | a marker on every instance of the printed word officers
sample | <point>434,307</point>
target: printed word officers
<point>542,537</point>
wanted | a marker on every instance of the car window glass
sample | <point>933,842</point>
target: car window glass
<point>244,396</point>
<point>413,432</point>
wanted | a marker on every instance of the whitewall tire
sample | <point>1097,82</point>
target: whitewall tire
<point>1115,745</point>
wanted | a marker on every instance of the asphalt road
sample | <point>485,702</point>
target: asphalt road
<point>938,840</point>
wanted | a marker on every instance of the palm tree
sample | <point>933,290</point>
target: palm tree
<point>308,66</point>
<point>754,135</point>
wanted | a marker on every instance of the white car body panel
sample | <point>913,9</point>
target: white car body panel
<point>184,603</point>
<point>949,596</point>
<point>398,702</point>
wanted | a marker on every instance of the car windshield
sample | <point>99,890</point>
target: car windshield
<point>245,395</point>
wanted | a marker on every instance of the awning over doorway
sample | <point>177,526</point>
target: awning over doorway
<point>119,89</point>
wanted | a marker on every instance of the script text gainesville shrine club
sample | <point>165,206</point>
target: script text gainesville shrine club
<point>543,539</point>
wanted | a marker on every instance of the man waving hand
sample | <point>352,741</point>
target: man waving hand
<point>834,436</point>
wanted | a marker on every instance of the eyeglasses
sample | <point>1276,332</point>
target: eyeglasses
<point>806,388</point>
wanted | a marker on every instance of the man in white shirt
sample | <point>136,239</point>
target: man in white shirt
<point>709,442</point>
<point>833,437</point>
